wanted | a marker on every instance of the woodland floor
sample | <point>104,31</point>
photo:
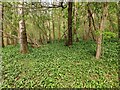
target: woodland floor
<point>58,66</point>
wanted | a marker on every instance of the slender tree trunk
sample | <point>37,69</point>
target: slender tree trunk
<point>11,41</point>
<point>59,33</point>
<point>90,22</point>
<point>70,23</point>
<point>99,39</point>
<point>119,20</point>
<point>85,37</point>
<point>118,14</point>
<point>43,38</point>
<point>49,32</point>
<point>15,41</point>
<point>1,25</point>
<point>111,23</point>
<point>22,29</point>
<point>63,27</point>
<point>40,38</point>
<point>6,39</point>
<point>53,26</point>
<point>75,21</point>
<point>92,16</point>
<point>45,32</point>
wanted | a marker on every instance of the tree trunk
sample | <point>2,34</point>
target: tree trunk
<point>111,23</point>
<point>43,39</point>
<point>59,33</point>
<point>45,32</point>
<point>40,38</point>
<point>22,29</point>
<point>90,22</point>
<point>119,37</point>
<point>11,41</point>
<point>53,26</point>
<point>63,27</point>
<point>69,23</point>
<point>85,37</point>
<point>75,21</point>
<point>99,39</point>
<point>119,20</point>
<point>15,41</point>
<point>48,26</point>
<point>1,26</point>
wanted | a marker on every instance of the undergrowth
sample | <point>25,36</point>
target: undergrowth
<point>58,66</point>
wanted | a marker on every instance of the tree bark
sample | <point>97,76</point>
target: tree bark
<point>53,26</point>
<point>1,26</point>
<point>111,23</point>
<point>59,33</point>
<point>99,39</point>
<point>90,22</point>
<point>119,20</point>
<point>63,27</point>
<point>45,32</point>
<point>75,21</point>
<point>119,37</point>
<point>22,29</point>
<point>85,37</point>
<point>49,29</point>
<point>15,41</point>
<point>69,23</point>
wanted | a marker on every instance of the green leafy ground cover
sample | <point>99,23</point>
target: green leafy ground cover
<point>55,65</point>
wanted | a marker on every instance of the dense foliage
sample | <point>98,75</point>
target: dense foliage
<point>55,65</point>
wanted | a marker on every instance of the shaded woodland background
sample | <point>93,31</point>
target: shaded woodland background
<point>44,23</point>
